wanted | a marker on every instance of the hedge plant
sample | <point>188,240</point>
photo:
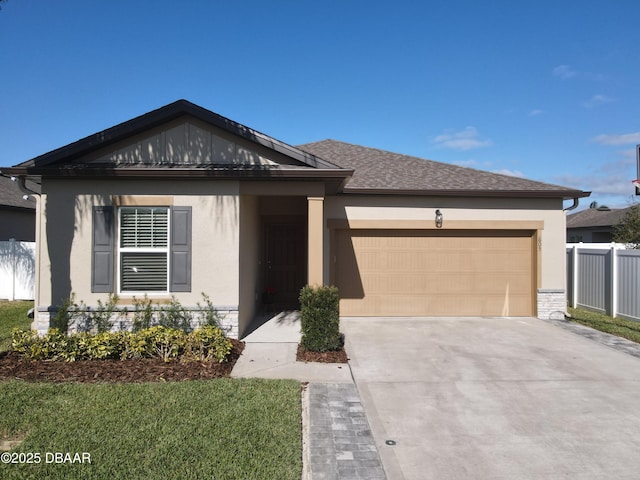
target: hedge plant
<point>320,318</point>
<point>205,343</point>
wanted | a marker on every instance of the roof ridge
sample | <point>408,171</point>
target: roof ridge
<point>383,171</point>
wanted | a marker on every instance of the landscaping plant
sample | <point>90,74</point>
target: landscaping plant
<point>204,343</point>
<point>320,318</point>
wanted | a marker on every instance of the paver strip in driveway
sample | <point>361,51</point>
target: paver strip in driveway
<point>495,398</point>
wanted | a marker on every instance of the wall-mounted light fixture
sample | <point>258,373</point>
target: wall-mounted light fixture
<point>438,219</point>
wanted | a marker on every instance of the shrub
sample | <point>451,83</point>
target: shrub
<point>62,317</point>
<point>206,343</point>
<point>83,319</point>
<point>320,318</point>
<point>142,313</point>
<point>101,318</point>
<point>210,316</point>
<point>175,316</point>
<point>168,343</point>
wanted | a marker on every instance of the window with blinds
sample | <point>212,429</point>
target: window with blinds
<point>143,249</point>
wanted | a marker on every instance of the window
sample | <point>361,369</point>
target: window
<point>140,249</point>
<point>143,249</point>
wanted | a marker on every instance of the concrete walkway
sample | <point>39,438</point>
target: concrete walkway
<point>270,352</point>
<point>337,440</point>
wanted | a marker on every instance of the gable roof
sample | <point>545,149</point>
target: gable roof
<point>596,217</point>
<point>12,196</point>
<point>71,160</point>
<point>163,115</point>
<point>382,172</point>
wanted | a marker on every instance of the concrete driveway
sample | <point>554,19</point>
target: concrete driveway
<point>489,398</point>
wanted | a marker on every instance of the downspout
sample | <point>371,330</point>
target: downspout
<point>22,184</point>
<point>36,294</point>
<point>576,201</point>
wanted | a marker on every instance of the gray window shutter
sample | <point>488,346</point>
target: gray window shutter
<point>180,252</point>
<point>102,253</point>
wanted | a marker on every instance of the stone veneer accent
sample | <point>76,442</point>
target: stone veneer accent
<point>43,316</point>
<point>552,304</point>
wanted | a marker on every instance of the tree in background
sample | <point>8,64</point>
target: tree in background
<point>628,230</point>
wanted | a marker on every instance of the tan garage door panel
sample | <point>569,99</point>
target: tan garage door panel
<point>396,273</point>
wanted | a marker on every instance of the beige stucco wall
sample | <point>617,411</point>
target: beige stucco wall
<point>226,232</point>
<point>548,211</point>
<point>65,258</point>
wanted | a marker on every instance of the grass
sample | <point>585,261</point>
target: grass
<point>616,326</point>
<point>12,315</point>
<point>225,428</point>
<point>231,429</point>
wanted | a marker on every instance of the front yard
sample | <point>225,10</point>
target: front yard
<point>231,429</point>
<point>222,428</point>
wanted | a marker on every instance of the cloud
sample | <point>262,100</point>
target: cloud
<point>466,163</point>
<point>466,139</point>
<point>609,182</point>
<point>597,100</point>
<point>511,173</point>
<point>564,72</point>
<point>619,139</point>
<point>599,184</point>
<point>535,112</point>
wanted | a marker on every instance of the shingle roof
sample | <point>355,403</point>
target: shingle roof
<point>596,217</point>
<point>387,172</point>
<point>12,196</point>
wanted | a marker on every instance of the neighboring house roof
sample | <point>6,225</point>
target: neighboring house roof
<point>12,196</point>
<point>380,171</point>
<point>596,217</point>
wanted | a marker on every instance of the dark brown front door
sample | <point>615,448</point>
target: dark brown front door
<point>285,262</point>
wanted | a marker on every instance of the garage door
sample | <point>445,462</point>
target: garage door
<point>434,273</point>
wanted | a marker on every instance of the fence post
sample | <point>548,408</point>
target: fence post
<point>614,281</point>
<point>574,290</point>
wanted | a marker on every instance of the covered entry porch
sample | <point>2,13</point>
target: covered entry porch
<point>281,250</point>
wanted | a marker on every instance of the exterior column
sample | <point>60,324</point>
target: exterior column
<point>315,240</point>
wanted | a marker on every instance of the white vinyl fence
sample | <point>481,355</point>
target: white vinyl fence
<point>17,270</point>
<point>604,278</point>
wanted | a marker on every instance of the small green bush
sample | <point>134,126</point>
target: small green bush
<point>210,316</point>
<point>320,318</point>
<point>83,319</point>
<point>142,313</point>
<point>174,315</point>
<point>206,343</point>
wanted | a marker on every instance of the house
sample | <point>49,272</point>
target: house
<point>17,212</point>
<point>181,201</point>
<point>594,225</point>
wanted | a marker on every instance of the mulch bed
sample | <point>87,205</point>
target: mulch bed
<point>337,356</point>
<point>14,366</point>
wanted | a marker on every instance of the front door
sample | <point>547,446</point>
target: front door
<point>285,264</point>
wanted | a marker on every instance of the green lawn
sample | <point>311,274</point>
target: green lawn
<point>616,326</point>
<point>12,314</point>
<point>221,429</point>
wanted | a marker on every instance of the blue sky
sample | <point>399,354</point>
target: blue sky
<point>547,90</point>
